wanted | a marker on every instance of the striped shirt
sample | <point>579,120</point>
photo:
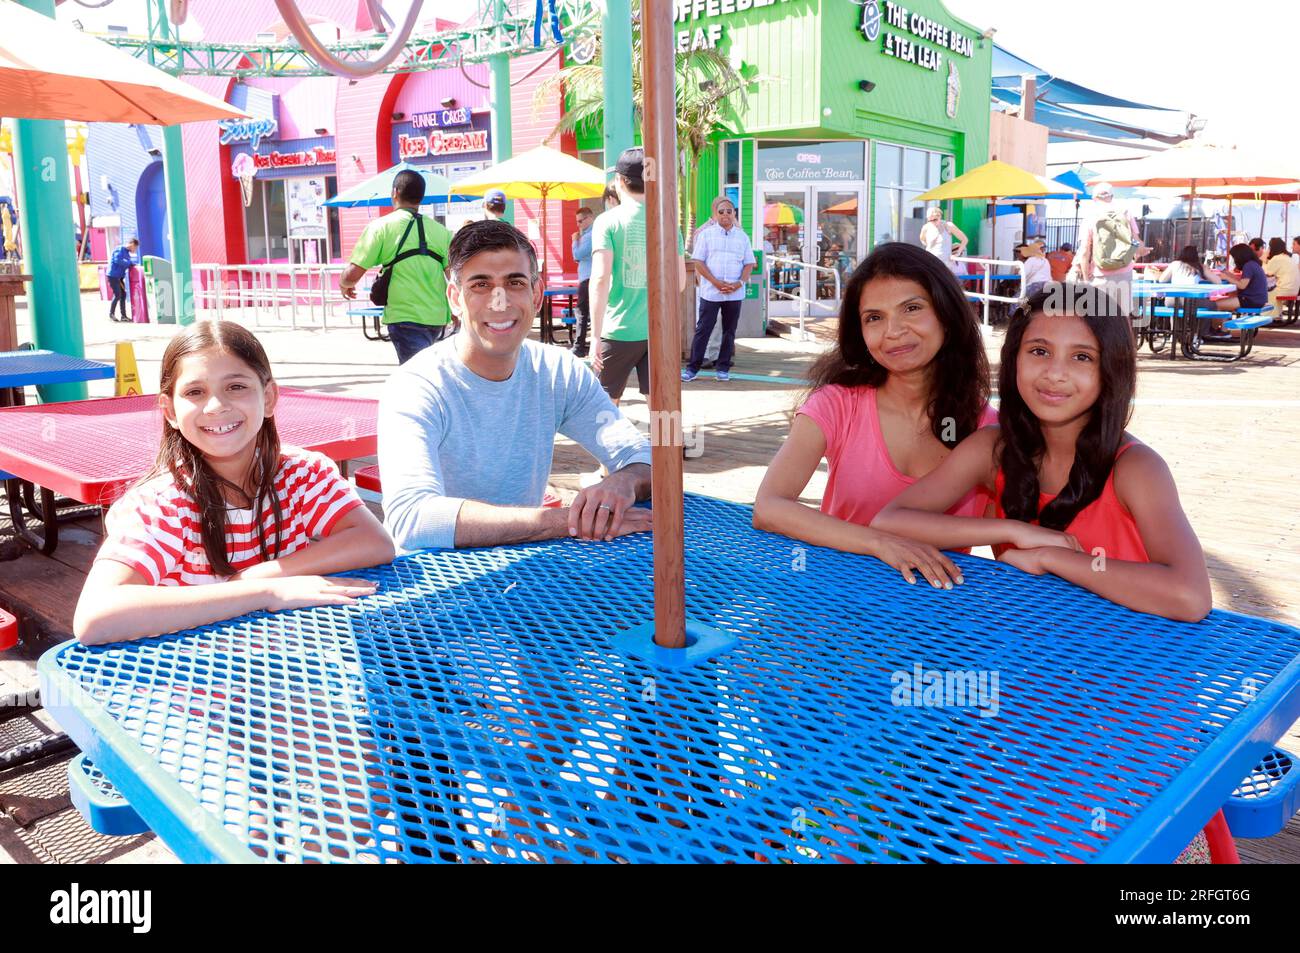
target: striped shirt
<point>725,254</point>
<point>156,529</point>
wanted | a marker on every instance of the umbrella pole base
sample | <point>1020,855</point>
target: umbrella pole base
<point>703,642</point>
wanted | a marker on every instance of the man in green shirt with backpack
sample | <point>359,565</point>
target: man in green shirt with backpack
<point>412,250</point>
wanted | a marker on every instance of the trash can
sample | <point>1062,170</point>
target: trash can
<point>159,288</point>
<point>753,310</point>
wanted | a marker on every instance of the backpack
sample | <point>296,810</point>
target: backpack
<point>379,290</point>
<point>1114,245</point>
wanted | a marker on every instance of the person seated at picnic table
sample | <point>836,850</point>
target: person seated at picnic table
<point>905,381</point>
<point>228,521</point>
<point>1281,269</point>
<point>467,427</point>
<point>1186,269</point>
<point>1259,249</point>
<point>1037,270</point>
<point>1252,289</point>
<point>1061,460</point>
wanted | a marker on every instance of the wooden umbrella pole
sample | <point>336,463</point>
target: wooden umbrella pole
<point>659,133</point>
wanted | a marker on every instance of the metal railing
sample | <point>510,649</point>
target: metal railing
<point>986,295</point>
<point>804,303</point>
<point>269,290</point>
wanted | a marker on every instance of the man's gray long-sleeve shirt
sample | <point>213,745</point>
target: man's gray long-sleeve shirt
<point>447,435</point>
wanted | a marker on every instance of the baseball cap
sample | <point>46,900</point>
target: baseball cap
<point>631,164</point>
<point>495,197</point>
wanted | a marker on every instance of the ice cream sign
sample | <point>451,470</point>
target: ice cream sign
<point>252,131</point>
<point>438,143</point>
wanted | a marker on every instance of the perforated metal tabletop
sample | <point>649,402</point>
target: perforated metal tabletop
<point>90,450</point>
<point>476,709</point>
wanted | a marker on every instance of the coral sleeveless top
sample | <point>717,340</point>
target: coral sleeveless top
<point>1104,523</point>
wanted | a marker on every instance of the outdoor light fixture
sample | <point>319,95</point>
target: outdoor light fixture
<point>398,117</point>
<point>449,102</point>
<point>322,131</point>
<point>866,85</point>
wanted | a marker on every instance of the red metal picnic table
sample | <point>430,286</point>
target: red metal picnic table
<point>91,451</point>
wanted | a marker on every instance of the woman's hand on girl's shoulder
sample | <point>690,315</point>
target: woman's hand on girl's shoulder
<point>301,592</point>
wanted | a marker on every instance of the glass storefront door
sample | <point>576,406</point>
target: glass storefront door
<point>816,225</point>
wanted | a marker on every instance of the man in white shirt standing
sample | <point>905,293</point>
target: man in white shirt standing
<point>723,259</point>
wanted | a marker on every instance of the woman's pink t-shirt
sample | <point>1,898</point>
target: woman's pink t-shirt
<point>863,478</point>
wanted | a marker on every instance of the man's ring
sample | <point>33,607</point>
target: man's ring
<point>605,506</point>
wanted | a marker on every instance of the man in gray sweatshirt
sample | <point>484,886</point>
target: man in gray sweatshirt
<point>467,427</point>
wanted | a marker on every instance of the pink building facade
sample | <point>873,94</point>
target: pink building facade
<point>325,134</point>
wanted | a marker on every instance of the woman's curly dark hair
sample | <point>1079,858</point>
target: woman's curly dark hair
<point>960,378</point>
<point>1021,446</point>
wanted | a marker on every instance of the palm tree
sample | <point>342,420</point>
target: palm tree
<point>707,85</point>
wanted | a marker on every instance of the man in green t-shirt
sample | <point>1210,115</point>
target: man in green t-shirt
<point>620,308</point>
<point>417,313</point>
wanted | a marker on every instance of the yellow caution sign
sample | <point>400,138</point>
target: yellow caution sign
<point>128,378</point>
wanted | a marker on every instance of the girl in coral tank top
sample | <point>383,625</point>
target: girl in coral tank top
<point>1060,460</point>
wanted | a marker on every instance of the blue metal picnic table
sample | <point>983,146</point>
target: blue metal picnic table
<point>1182,324</point>
<point>480,707</point>
<point>20,369</point>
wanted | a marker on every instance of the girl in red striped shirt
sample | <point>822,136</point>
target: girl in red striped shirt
<point>227,522</point>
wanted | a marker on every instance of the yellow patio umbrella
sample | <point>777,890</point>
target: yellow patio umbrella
<point>51,71</point>
<point>992,181</point>
<point>542,173</point>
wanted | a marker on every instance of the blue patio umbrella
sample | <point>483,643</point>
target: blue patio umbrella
<point>378,189</point>
<point>1071,180</point>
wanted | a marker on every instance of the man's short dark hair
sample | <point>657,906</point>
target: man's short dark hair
<point>474,238</point>
<point>409,186</point>
<point>583,210</point>
<point>134,241</point>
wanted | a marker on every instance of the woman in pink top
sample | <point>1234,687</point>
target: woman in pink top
<point>906,381</point>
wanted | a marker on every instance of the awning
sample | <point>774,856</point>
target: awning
<point>1009,70</point>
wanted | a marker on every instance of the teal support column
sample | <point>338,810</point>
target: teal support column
<point>178,223</point>
<point>616,68</point>
<point>45,212</point>
<point>499,91</point>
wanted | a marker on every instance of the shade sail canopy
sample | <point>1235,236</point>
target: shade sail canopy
<point>51,71</point>
<point>995,180</point>
<point>1202,165</point>
<point>541,173</point>
<point>1009,71</point>
<point>378,189</point>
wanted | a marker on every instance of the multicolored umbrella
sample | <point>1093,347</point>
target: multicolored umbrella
<point>780,213</point>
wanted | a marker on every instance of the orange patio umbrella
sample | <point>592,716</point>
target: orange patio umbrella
<point>51,71</point>
<point>1199,165</point>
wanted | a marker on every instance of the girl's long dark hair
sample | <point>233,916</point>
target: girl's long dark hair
<point>187,465</point>
<point>959,375</point>
<point>1191,257</point>
<point>1276,247</point>
<point>1021,445</point>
